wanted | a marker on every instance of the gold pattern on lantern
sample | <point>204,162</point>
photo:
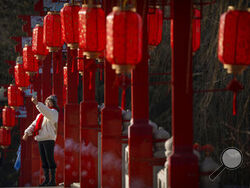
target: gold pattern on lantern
<point>73,46</point>
<point>40,57</point>
<point>91,55</point>
<point>234,69</point>
<point>53,48</point>
<point>123,69</point>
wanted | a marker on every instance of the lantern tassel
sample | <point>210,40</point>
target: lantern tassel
<point>90,80</point>
<point>57,67</point>
<point>123,103</point>
<point>235,87</point>
<point>31,87</point>
<point>234,103</point>
<point>72,68</point>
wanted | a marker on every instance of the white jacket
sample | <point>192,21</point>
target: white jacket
<point>48,129</point>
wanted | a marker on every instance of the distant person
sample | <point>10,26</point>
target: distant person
<point>44,130</point>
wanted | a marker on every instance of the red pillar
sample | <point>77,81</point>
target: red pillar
<point>57,89</point>
<point>111,127</point>
<point>140,132</point>
<point>26,153</point>
<point>89,129</point>
<point>46,86</point>
<point>36,81</point>
<point>71,122</point>
<point>183,164</point>
<point>46,78</point>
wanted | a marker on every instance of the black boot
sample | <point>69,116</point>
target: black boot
<point>53,178</point>
<point>46,174</point>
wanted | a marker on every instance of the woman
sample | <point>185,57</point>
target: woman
<point>44,130</point>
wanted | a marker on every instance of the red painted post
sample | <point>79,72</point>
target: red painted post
<point>183,164</point>
<point>46,78</point>
<point>36,81</point>
<point>89,128</point>
<point>46,83</point>
<point>140,132</point>
<point>26,154</point>
<point>71,122</point>
<point>57,89</point>
<point>111,127</point>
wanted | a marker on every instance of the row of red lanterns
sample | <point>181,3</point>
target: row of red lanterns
<point>85,28</point>
<point>15,99</point>
<point>122,37</point>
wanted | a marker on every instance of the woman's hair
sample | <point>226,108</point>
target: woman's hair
<point>53,99</point>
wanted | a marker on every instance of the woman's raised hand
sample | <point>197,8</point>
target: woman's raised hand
<point>34,100</point>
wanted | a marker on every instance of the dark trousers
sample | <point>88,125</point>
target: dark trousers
<point>46,149</point>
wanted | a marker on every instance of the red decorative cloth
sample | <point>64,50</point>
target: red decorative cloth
<point>38,124</point>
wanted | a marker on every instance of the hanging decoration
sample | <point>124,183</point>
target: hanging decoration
<point>92,30</point>
<point>15,96</point>
<point>69,20</point>
<point>9,117</point>
<point>234,40</point>
<point>29,63</point>
<point>154,25</point>
<point>5,137</point>
<point>52,34</point>
<point>196,31</point>
<point>21,77</point>
<point>65,76</point>
<point>38,47</point>
<point>80,60</point>
<point>124,39</point>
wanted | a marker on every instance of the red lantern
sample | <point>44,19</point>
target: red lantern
<point>80,60</point>
<point>196,31</point>
<point>5,137</point>
<point>38,47</point>
<point>234,40</point>
<point>29,63</point>
<point>92,30</point>
<point>52,36</point>
<point>69,20</point>
<point>15,96</point>
<point>21,78</point>
<point>155,21</point>
<point>124,39</point>
<point>65,75</point>
<point>8,116</point>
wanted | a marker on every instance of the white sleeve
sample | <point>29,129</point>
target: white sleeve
<point>31,127</point>
<point>51,114</point>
